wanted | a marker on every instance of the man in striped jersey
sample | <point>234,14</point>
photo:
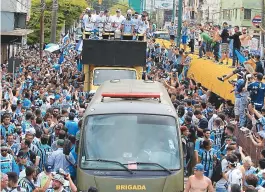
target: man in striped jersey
<point>30,136</point>
<point>7,161</point>
<point>44,150</point>
<point>28,181</point>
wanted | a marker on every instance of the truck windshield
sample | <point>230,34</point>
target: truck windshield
<point>101,75</point>
<point>128,139</point>
<point>162,36</point>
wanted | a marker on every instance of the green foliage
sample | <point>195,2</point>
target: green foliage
<point>69,11</point>
<point>122,6</point>
<point>112,5</point>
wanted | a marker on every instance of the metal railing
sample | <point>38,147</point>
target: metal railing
<point>248,147</point>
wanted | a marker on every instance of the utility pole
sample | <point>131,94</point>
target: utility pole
<point>208,14</point>
<point>174,11</point>
<point>42,3</point>
<point>54,21</point>
<point>261,33</point>
<point>179,22</point>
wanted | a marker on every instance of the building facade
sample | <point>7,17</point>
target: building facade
<point>190,10</point>
<point>207,11</point>
<point>239,12</point>
<point>14,16</point>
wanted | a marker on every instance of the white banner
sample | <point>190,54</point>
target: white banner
<point>164,4</point>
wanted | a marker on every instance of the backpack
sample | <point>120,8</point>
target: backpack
<point>217,171</point>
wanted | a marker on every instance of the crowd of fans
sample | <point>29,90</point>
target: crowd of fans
<point>41,116</point>
<point>209,124</point>
<point>44,102</point>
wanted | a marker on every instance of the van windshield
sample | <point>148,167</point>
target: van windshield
<point>101,75</point>
<point>130,138</point>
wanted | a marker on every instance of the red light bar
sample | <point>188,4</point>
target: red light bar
<point>131,95</point>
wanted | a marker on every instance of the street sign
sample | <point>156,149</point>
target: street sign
<point>256,20</point>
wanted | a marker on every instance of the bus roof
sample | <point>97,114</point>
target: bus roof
<point>162,106</point>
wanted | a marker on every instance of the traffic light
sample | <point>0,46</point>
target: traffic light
<point>99,2</point>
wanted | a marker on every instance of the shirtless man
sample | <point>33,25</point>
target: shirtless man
<point>198,182</point>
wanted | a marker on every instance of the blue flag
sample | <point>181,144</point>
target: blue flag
<point>240,57</point>
<point>79,65</point>
<point>61,59</point>
<point>66,37</point>
<point>79,45</point>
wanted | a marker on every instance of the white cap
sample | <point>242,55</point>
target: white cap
<point>248,76</point>
<point>31,131</point>
<point>51,97</point>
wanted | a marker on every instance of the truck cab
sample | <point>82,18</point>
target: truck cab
<point>130,140</point>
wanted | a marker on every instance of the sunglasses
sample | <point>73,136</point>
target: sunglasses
<point>4,150</point>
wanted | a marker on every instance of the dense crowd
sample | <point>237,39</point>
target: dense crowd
<point>41,115</point>
<point>208,123</point>
<point>44,102</point>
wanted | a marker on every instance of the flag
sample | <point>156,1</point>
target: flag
<point>240,57</point>
<point>66,38</point>
<point>79,46</point>
<point>61,59</point>
<point>79,65</point>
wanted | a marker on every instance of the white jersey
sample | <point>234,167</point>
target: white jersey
<point>100,21</point>
<point>117,21</point>
<point>108,23</point>
<point>89,22</point>
<point>142,26</point>
<point>135,23</point>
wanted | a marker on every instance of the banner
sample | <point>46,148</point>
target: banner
<point>164,4</point>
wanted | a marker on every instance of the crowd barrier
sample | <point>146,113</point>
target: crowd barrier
<point>248,147</point>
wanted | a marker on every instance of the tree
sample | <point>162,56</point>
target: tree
<point>68,12</point>
<point>122,6</point>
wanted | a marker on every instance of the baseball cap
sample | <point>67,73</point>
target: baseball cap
<point>31,131</point>
<point>48,168</point>
<point>199,167</point>
<point>51,97</point>
<point>4,146</point>
<point>59,178</point>
<point>60,142</point>
<point>209,110</point>
<point>229,138</point>
<point>118,11</point>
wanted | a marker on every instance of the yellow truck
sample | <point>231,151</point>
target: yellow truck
<point>112,59</point>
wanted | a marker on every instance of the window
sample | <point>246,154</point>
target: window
<point>226,14</point>
<point>101,75</point>
<point>247,13</point>
<point>235,13</point>
<point>134,138</point>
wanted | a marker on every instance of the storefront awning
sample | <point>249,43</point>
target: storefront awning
<point>17,32</point>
